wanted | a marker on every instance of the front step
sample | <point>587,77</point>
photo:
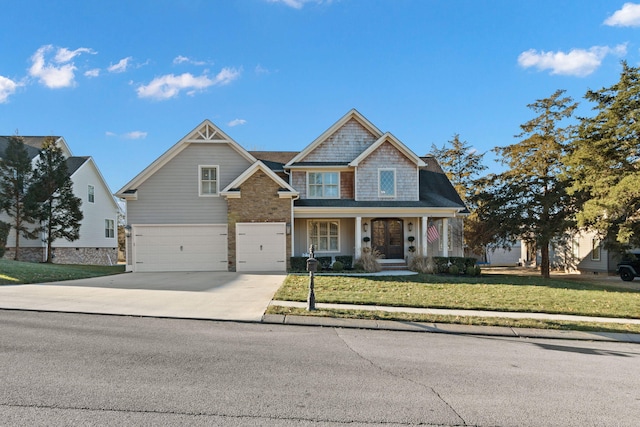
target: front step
<point>393,264</point>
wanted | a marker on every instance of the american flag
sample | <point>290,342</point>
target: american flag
<point>432,234</point>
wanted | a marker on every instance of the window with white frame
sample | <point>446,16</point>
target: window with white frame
<point>595,250</point>
<point>324,235</point>
<point>91,194</point>
<point>323,185</point>
<point>208,180</point>
<point>109,228</point>
<point>387,182</point>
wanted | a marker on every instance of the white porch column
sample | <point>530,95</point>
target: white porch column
<point>358,242</point>
<point>445,236</point>
<point>423,235</point>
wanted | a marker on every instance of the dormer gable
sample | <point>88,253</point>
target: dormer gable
<point>341,143</point>
<point>388,137</point>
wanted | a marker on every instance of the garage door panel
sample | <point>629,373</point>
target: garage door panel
<point>261,247</point>
<point>181,248</point>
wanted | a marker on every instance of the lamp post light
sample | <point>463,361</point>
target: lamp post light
<point>312,267</point>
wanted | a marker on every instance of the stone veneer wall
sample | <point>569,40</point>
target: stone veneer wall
<point>64,255</point>
<point>258,202</point>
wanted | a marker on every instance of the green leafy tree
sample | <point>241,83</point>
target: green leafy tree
<point>529,201</point>
<point>604,162</point>
<point>51,196</point>
<point>15,178</point>
<point>462,165</point>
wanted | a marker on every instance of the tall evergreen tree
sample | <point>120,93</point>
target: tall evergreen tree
<point>51,196</point>
<point>15,178</point>
<point>529,201</point>
<point>604,162</point>
<point>462,165</point>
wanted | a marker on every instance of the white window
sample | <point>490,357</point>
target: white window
<point>387,182</point>
<point>109,229</point>
<point>595,250</point>
<point>208,180</point>
<point>324,235</point>
<point>91,194</point>
<point>324,185</point>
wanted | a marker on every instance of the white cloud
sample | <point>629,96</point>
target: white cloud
<point>121,66</point>
<point>298,4</point>
<point>65,55</point>
<point>136,134</point>
<point>182,59</point>
<point>55,76</point>
<point>7,88</point>
<point>577,62</point>
<point>170,85</point>
<point>628,16</point>
<point>261,70</point>
<point>236,122</point>
<point>92,73</point>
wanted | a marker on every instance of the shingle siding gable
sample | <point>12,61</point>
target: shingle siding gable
<point>387,157</point>
<point>343,145</point>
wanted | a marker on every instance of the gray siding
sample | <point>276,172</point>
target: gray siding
<point>387,157</point>
<point>170,195</point>
<point>344,145</point>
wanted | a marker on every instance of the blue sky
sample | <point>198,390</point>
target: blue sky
<point>123,81</point>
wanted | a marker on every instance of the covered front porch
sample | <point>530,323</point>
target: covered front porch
<point>393,236</point>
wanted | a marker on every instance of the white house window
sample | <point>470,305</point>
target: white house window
<point>208,180</point>
<point>387,182</point>
<point>324,235</point>
<point>109,228</point>
<point>91,194</point>
<point>324,185</point>
<point>595,250</point>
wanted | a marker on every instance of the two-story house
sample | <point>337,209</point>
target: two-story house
<point>98,240</point>
<point>208,204</point>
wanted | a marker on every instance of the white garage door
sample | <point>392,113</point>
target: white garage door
<point>180,248</point>
<point>261,246</point>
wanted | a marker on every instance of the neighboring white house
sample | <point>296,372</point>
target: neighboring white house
<point>98,240</point>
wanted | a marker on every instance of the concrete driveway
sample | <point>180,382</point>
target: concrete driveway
<point>192,295</point>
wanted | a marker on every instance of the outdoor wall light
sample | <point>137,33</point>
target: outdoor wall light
<point>288,227</point>
<point>365,226</point>
<point>410,226</point>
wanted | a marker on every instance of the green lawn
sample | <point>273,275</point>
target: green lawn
<point>495,292</point>
<point>15,272</point>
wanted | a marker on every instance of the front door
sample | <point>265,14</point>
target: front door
<point>387,237</point>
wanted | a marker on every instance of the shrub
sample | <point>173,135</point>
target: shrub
<point>337,266</point>
<point>478,270</point>
<point>454,270</point>
<point>422,264</point>
<point>368,261</point>
<point>324,262</point>
<point>4,233</point>
<point>441,264</point>
<point>346,260</point>
<point>471,271</point>
<point>298,264</point>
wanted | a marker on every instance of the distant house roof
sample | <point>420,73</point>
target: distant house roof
<point>74,163</point>
<point>33,144</point>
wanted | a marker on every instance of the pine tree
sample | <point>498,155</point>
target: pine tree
<point>604,162</point>
<point>462,165</point>
<point>15,178</point>
<point>51,196</point>
<point>529,201</point>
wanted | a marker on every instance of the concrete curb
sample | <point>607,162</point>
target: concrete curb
<point>445,328</point>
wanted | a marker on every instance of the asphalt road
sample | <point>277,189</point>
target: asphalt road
<point>74,369</point>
